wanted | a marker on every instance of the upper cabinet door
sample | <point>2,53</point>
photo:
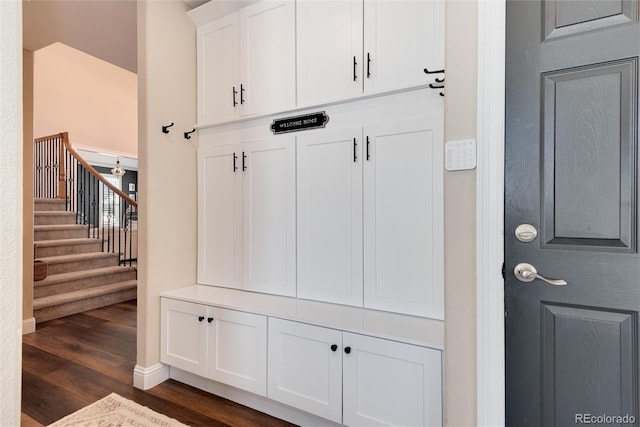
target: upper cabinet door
<point>403,219</point>
<point>220,216</point>
<point>329,51</point>
<point>218,70</point>
<point>268,218</point>
<point>330,216</point>
<point>268,67</point>
<point>402,38</point>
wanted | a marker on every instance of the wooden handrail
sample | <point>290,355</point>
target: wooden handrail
<point>64,136</point>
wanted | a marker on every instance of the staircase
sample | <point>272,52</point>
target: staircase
<point>80,275</point>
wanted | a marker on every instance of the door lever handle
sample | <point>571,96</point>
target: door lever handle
<point>527,273</point>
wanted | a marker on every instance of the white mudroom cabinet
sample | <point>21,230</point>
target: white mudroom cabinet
<point>369,216</point>
<point>323,361</point>
<point>352,378</point>
<point>320,284</point>
<point>349,48</point>
<point>246,195</point>
<point>224,345</point>
<point>246,62</point>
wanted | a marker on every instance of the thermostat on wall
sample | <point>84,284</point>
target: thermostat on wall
<point>460,154</point>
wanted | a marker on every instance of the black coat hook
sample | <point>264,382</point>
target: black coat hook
<point>165,129</point>
<point>437,80</point>
<point>187,135</point>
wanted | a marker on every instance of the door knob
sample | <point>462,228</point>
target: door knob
<point>527,273</point>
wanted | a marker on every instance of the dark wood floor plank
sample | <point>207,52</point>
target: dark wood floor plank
<point>224,410</point>
<point>71,362</point>
<point>27,421</point>
<point>112,338</point>
<point>117,313</point>
<point>45,402</point>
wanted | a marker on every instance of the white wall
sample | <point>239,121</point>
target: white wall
<point>10,210</point>
<point>167,163</point>
<point>93,100</point>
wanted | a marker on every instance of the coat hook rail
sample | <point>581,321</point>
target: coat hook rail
<point>165,129</point>
<point>187,135</point>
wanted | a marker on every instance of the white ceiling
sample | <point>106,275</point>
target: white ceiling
<point>105,29</point>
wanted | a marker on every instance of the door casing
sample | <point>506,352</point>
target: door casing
<point>490,349</point>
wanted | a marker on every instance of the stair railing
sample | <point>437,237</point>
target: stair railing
<point>109,214</point>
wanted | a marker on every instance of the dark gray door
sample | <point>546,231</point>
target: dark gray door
<point>572,351</point>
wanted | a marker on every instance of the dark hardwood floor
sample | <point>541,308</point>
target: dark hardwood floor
<point>71,362</point>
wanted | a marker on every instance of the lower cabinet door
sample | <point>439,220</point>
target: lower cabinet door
<point>238,349</point>
<point>183,338</point>
<point>305,367</point>
<point>388,383</point>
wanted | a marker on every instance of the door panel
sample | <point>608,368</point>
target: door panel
<point>563,18</point>
<point>268,216</point>
<point>184,336</point>
<point>388,383</point>
<point>330,216</point>
<point>571,171</point>
<point>401,39</point>
<point>219,216</point>
<point>218,69</point>
<point>329,41</point>
<point>269,56</point>
<point>403,217</point>
<point>581,207</point>
<point>238,349</point>
<point>588,353</point>
<point>304,371</point>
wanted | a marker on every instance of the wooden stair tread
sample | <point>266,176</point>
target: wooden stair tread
<point>82,274</point>
<point>70,297</point>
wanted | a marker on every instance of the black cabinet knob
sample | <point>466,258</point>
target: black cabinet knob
<point>209,319</point>
<point>200,318</point>
<point>347,350</point>
<point>334,347</point>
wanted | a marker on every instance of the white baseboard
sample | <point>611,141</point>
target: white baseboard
<point>146,378</point>
<point>259,403</point>
<point>28,326</point>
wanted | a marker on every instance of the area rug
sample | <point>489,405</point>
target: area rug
<point>115,411</point>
